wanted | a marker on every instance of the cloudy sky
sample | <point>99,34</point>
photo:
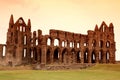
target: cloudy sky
<point>69,15</point>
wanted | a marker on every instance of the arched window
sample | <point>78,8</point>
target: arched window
<point>70,44</point>
<point>78,45</point>
<point>25,40</point>
<point>63,44</point>
<point>49,42</point>
<point>85,44</point>
<point>24,53</point>
<point>4,50</point>
<point>107,44</point>
<point>107,55</point>
<point>56,42</point>
<point>21,28</point>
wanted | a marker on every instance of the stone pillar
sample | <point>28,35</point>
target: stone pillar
<point>82,56</point>
<point>60,43</point>
<point>112,57</point>
<point>89,56</point>
<point>52,56</point>
<point>43,61</point>
<point>28,55</point>
<point>97,57</point>
<point>52,42</point>
<point>104,57</point>
<point>68,44</point>
<point>38,55</point>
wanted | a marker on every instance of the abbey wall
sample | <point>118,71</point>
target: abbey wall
<point>58,47</point>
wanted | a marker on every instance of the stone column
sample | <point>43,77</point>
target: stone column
<point>97,57</point>
<point>52,42</point>
<point>104,57</point>
<point>82,56</point>
<point>60,43</point>
<point>43,60</point>
<point>89,56</point>
<point>38,55</point>
<point>52,56</point>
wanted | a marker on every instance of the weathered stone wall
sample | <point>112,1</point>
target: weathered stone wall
<point>58,47</point>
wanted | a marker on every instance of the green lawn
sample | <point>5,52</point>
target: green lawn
<point>99,72</point>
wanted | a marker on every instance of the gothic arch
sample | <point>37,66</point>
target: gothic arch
<point>86,56</point>
<point>56,41</point>
<point>108,44</point>
<point>49,41</point>
<point>93,57</point>
<point>78,57</point>
<point>56,55</point>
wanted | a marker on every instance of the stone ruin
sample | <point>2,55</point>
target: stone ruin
<point>58,47</point>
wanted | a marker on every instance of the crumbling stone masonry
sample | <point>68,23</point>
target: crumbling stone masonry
<point>59,47</point>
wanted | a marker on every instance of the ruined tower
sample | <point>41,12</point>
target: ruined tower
<point>18,41</point>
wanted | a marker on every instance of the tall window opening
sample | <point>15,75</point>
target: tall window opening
<point>56,42</point>
<point>48,42</point>
<point>63,44</point>
<point>4,51</point>
<point>24,53</point>
<point>71,44</point>
<point>107,44</point>
<point>25,40</point>
<point>21,28</point>
<point>78,45</point>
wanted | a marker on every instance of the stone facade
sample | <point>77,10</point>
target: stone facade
<point>59,47</point>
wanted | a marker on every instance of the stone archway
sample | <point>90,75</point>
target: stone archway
<point>86,56</point>
<point>56,55</point>
<point>65,56</point>
<point>93,57</point>
<point>78,57</point>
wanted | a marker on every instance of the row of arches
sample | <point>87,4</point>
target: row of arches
<point>76,57</point>
<point>72,44</point>
<point>65,56</point>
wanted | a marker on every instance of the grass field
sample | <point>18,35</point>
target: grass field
<point>98,72</point>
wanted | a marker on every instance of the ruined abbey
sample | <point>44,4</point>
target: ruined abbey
<point>58,47</point>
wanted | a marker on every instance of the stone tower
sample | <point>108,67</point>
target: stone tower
<point>18,41</point>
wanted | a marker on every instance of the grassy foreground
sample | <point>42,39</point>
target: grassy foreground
<point>98,72</point>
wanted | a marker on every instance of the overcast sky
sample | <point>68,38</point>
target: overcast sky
<point>70,15</point>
